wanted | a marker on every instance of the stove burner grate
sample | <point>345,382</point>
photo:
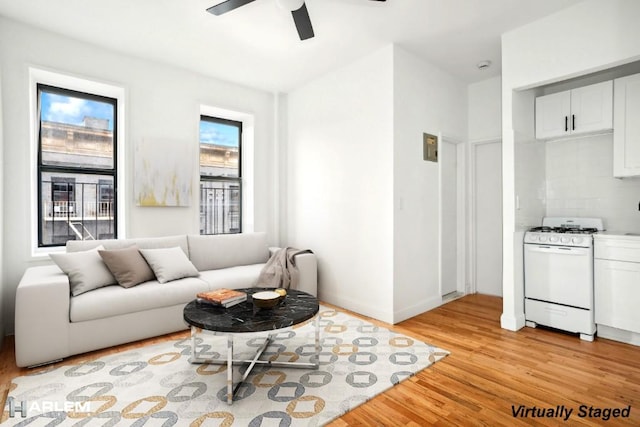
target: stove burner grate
<point>545,229</point>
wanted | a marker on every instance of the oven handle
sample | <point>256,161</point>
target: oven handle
<point>558,250</point>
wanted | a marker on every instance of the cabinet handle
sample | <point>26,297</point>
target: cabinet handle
<point>566,123</point>
<point>573,122</point>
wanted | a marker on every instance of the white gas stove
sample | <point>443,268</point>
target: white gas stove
<point>574,232</point>
<point>558,274</point>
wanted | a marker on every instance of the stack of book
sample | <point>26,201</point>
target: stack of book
<point>222,297</point>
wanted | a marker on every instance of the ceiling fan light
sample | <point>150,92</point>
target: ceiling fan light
<point>290,5</point>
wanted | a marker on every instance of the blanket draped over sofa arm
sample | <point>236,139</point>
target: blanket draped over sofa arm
<point>281,270</point>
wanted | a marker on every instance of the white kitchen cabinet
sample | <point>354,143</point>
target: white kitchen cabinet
<point>617,293</point>
<point>583,110</point>
<point>626,135</point>
<point>617,287</point>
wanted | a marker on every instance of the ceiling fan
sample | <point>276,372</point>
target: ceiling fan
<point>297,7</point>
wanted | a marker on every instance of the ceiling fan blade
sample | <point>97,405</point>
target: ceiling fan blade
<point>303,22</point>
<point>227,6</point>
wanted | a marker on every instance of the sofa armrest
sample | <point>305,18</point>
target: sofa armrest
<point>42,316</point>
<point>307,264</point>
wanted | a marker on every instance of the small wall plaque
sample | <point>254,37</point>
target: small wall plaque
<point>430,147</point>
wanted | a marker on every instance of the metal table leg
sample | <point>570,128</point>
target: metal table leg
<point>230,361</point>
<point>230,391</point>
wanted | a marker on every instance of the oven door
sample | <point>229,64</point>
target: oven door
<point>559,274</point>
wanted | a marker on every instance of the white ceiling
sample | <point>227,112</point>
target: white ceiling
<point>257,45</point>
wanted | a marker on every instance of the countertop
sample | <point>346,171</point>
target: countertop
<point>618,235</point>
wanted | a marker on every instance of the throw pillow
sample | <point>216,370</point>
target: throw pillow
<point>85,269</point>
<point>228,250</point>
<point>127,265</point>
<point>169,264</point>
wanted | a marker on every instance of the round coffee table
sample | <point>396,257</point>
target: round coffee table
<point>295,308</point>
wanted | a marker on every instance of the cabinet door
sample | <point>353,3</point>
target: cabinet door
<point>626,134</point>
<point>592,108</point>
<point>617,292</point>
<point>552,115</point>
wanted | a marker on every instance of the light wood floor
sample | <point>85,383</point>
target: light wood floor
<point>489,371</point>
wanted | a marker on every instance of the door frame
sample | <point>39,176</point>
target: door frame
<point>461,186</point>
<point>472,284</point>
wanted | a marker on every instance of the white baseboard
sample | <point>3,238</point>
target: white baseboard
<point>415,309</point>
<point>389,317</point>
<point>358,307</point>
<point>512,323</point>
<point>618,335</point>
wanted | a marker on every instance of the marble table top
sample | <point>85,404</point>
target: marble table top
<point>295,308</point>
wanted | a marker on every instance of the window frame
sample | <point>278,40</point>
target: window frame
<point>238,180</point>
<point>86,85</point>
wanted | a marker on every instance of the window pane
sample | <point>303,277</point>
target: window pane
<point>76,131</point>
<point>219,207</point>
<point>219,149</point>
<point>76,207</point>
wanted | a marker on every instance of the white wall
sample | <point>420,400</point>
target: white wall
<point>485,110</point>
<point>425,99</point>
<point>340,182</point>
<point>590,36</point>
<point>161,101</point>
<point>359,192</point>
<point>530,182</point>
<point>2,226</point>
<point>530,163</point>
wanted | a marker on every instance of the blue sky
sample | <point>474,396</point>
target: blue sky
<point>72,110</point>
<point>218,134</point>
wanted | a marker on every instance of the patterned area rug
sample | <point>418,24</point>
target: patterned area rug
<point>157,386</point>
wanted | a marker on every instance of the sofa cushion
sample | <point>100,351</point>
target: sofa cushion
<point>115,301</point>
<point>142,243</point>
<point>85,269</point>
<point>169,264</point>
<point>244,276</point>
<point>228,250</point>
<point>127,266</point>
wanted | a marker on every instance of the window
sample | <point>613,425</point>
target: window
<point>220,176</point>
<point>76,166</point>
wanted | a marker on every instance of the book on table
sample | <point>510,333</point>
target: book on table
<point>222,297</point>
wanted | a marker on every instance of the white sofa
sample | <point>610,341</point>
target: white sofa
<point>51,324</point>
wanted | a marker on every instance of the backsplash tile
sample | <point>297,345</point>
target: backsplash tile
<point>579,182</point>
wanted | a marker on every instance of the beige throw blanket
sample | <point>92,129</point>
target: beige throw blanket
<point>281,270</point>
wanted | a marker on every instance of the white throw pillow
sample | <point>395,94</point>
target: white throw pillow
<point>86,270</point>
<point>169,264</point>
<point>212,252</point>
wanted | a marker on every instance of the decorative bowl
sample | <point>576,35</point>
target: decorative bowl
<point>266,299</point>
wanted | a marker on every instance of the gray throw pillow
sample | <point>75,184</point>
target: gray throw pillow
<point>86,270</point>
<point>127,266</point>
<point>169,264</point>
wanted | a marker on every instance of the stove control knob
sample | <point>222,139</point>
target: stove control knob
<point>543,238</point>
<point>553,239</point>
<point>577,240</point>
<point>533,237</point>
<point>564,240</point>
